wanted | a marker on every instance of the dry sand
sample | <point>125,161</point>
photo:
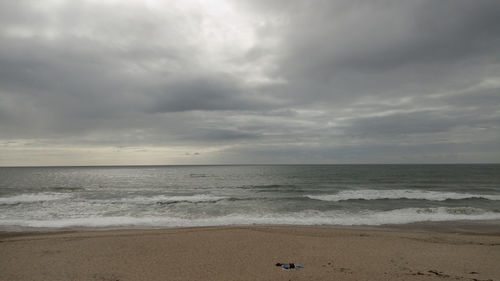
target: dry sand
<point>248,253</point>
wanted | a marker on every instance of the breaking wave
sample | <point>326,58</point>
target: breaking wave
<point>373,194</point>
<point>312,217</point>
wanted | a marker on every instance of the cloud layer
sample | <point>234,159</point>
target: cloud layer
<point>211,82</point>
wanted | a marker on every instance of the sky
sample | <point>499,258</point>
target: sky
<point>149,82</point>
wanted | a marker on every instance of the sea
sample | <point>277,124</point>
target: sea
<point>185,196</point>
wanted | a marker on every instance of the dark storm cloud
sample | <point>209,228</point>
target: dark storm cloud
<point>213,92</point>
<point>341,50</point>
<point>387,34</point>
<point>321,81</point>
<point>74,83</point>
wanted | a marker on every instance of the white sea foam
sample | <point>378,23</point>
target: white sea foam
<point>197,198</point>
<point>32,198</point>
<point>374,194</point>
<point>313,217</point>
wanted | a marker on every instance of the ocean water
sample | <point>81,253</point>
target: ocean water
<point>172,196</point>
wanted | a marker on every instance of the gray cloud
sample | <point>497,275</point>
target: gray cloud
<point>218,135</point>
<point>402,124</point>
<point>266,82</point>
<point>212,92</point>
<point>341,50</point>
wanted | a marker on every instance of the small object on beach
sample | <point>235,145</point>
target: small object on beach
<point>289,266</point>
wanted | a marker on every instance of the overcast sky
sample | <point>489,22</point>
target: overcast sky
<point>106,82</point>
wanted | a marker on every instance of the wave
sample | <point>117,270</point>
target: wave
<point>399,216</point>
<point>164,199</point>
<point>373,194</point>
<point>198,175</point>
<point>33,198</point>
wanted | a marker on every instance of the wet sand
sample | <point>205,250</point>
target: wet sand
<point>249,253</point>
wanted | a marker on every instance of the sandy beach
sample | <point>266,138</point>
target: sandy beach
<point>248,253</point>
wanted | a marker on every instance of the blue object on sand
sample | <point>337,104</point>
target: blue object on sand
<point>287,266</point>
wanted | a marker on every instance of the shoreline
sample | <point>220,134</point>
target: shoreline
<point>248,253</point>
<point>489,227</point>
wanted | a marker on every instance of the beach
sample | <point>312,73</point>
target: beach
<point>248,253</point>
<point>340,222</point>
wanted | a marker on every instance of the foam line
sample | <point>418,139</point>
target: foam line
<point>374,194</point>
<point>399,216</point>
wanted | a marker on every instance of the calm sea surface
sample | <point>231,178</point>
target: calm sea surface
<point>168,196</point>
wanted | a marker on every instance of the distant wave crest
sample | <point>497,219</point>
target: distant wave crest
<point>32,198</point>
<point>165,199</point>
<point>373,194</point>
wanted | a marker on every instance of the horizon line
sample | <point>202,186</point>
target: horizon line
<point>194,165</point>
